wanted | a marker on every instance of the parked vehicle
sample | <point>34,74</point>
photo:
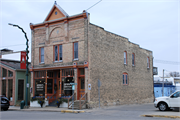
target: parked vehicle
<point>4,103</point>
<point>166,103</point>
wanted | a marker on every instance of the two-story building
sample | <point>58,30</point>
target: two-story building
<point>69,49</point>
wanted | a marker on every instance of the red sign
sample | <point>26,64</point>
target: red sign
<point>23,60</point>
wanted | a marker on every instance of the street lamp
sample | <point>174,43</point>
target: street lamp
<point>27,85</point>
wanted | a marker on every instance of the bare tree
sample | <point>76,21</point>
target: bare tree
<point>174,74</point>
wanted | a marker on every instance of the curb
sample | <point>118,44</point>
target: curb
<point>71,111</point>
<point>164,116</point>
<point>63,111</point>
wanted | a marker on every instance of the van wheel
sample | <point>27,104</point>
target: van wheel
<point>163,106</point>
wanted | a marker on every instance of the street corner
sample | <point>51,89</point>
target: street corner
<point>162,116</point>
<point>72,111</point>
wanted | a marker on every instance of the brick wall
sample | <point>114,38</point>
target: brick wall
<point>63,33</point>
<point>106,63</point>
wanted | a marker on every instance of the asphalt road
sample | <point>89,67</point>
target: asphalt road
<point>123,112</point>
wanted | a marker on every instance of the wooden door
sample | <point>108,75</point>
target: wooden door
<point>81,87</point>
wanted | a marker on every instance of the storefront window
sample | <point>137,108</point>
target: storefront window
<point>10,73</point>
<point>4,87</point>
<point>67,86</point>
<point>40,87</point>
<point>4,72</point>
<point>50,86</point>
<point>10,82</point>
<point>82,71</point>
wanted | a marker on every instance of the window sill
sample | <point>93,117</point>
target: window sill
<point>58,61</point>
<point>76,59</point>
<point>125,84</point>
<point>41,63</point>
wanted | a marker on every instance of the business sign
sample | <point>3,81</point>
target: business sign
<point>23,60</point>
<point>67,86</point>
<point>39,87</point>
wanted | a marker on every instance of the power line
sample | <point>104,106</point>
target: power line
<point>93,5</point>
<point>13,45</point>
<point>166,62</point>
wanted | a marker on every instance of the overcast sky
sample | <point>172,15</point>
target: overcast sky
<point>153,24</point>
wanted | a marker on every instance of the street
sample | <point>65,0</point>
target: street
<point>123,112</point>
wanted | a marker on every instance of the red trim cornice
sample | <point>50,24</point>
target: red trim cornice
<point>53,68</point>
<point>64,20</point>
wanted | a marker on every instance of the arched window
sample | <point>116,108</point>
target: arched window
<point>148,63</point>
<point>125,79</point>
<point>133,59</point>
<point>125,57</point>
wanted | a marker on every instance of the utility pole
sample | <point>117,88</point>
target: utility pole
<point>163,84</point>
<point>27,70</point>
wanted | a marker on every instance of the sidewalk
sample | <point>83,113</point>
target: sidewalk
<point>45,109</point>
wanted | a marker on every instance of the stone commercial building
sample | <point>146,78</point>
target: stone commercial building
<point>69,49</point>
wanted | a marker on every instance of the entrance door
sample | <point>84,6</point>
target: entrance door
<point>81,87</point>
<point>20,89</point>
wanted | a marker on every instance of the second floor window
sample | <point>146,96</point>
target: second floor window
<point>42,54</point>
<point>76,50</point>
<point>148,62</point>
<point>125,57</point>
<point>133,59</point>
<point>58,53</point>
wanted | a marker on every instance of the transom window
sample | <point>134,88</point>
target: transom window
<point>125,79</point>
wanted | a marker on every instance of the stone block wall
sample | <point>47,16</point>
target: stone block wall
<point>106,63</point>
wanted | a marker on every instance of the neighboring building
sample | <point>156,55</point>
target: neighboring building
<point>176,79</point>
<point>69,49</point>
<point>169,86</point>
<point>13,81</point>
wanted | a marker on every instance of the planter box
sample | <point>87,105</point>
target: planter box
<point>35,104</point>
<point>64,105</point>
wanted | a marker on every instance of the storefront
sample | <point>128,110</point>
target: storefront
<point>56,83</point>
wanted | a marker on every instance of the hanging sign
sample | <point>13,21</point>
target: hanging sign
<point>23,60</point>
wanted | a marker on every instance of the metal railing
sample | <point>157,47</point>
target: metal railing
<point>74,97</point>
<point>84,98</point>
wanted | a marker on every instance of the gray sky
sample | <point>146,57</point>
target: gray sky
<point>153,24</point>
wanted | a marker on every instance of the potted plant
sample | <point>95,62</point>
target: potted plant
<point>59,102</point>
<point>41,102</point>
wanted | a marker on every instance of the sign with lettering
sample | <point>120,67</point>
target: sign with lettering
<point>67,86</point>
<point>39,87</point>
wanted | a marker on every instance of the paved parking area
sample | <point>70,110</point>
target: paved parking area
<point>127,112</point>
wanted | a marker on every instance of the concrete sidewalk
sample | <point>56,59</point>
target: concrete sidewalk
<point>45,109</point>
